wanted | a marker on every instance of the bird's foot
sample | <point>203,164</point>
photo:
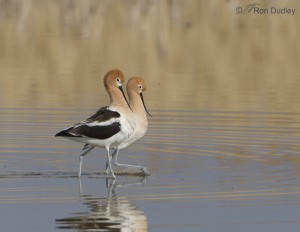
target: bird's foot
<point>145,171</point>
<point>111,176</point>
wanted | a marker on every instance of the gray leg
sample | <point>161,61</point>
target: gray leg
<point>115,156</point>
<point>115,162</point>
<point>81,157</point>
<point>107,169</point>
<point>111,187</point>
<point>109,164</point>
<point>80,188</point>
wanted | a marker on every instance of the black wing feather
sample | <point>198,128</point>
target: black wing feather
<point>66,133</point>
<point>103,114</point>
<point>98,132</point>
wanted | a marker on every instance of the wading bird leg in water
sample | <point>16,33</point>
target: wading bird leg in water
<point>115,162</point>
<point>81,157</point>
<point>109,164</point>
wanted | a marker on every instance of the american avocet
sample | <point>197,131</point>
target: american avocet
<point>109,126</point>
<point>135,88</point>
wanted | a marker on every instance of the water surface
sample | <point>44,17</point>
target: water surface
<point>222,146</point>
<point>210,170</point>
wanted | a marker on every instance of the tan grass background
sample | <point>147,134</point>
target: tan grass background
<point>193,54</point>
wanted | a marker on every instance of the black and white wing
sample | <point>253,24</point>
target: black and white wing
<point>102,125</point>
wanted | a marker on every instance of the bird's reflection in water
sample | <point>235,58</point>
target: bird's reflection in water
<point>107,214</point>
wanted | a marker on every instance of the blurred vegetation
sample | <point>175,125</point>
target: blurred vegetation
<point>193,54</point>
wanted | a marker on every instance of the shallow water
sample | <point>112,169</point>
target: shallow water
<point>210,171</point>
<point>223,143</point>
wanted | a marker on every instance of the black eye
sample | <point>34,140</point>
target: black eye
<point>140,86</point>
